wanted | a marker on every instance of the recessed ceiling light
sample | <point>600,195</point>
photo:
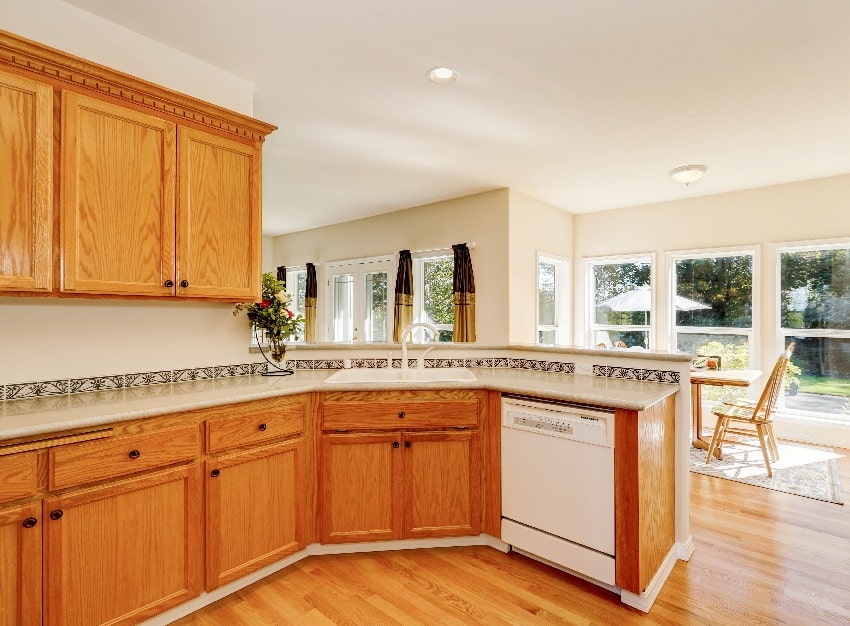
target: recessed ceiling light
<point>687,174</point>
<point>442,75</point>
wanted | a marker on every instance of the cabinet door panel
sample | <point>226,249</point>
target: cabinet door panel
<point>117,199</point>
<point>255,507</point>
<point>26,184</point>
<point>123,552</point>
<point>218,217</point>
<point>442,484</point>
<point>359,487</point>
<point>20,566</point>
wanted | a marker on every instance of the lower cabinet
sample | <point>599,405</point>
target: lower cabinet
<point>400,485</point>
<point>125,551</point>
<point>20,565</point>
<point>254,510</point>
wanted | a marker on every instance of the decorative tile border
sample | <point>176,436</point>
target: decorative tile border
<point>41,389</point>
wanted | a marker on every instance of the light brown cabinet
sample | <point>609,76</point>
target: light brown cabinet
<point>26,184</point>
<point>20,565</point>
<point>129,227</point>
<point>419,478</point>
<point>123,552</point>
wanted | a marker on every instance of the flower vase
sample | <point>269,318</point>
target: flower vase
<point>277,352</point>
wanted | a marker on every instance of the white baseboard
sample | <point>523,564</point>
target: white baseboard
<point>644,601</point>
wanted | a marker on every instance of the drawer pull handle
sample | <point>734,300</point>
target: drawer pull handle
<point>401,415</point>
<point>215,473</point>
<point>30,522</point>
<point>184,283</point>
<point>57,514</point>
<point>262,427</point>
<point>407,444</point>
<point>135,454</point>
<point>169,283</point>
<point>395,444</point>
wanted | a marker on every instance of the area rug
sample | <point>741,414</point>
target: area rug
<point>801,470</point>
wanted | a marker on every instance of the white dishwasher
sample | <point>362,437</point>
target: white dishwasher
<point>558,484</point>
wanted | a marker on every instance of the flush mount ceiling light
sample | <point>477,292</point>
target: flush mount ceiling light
<point>442,75</point>
<point>687,174</point>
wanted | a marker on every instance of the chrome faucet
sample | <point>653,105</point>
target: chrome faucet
<point>406,334</point>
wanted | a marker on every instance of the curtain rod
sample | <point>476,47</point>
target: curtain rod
<point>470,245</point>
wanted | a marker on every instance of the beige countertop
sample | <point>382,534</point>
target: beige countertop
<point>53,414</point>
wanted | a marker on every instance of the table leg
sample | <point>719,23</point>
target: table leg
<point>696,416</point>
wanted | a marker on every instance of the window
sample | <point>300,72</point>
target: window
<point>620,301</point>
<point>296,284</point>
<point>814,312</point>
<point>358,298</point>
<point>433,278</point>
<point>552,300</point>
<point>713,305</point>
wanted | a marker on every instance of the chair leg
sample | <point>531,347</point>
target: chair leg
<point>719,429</point>
<point>772,440</point>
<point>764,452</point>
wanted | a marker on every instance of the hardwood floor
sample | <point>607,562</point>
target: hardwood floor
<point>761,557</point>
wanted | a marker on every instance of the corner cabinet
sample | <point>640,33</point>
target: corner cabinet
<point>157,194</point>
<point>130,227</point>
<point>26,184</point>
<point>400,465</point>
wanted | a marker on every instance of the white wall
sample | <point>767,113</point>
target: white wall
<point>534,227</point>
<point>758,218</point>
<point>45,338</point>
<point>482,218</point>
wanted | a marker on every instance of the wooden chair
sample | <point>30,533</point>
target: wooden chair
<point>751,415</point>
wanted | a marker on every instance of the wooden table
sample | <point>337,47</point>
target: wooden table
<point>717,378</point>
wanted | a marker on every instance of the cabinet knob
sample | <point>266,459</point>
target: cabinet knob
<point>184,283</point>
<point>134,454</point>
<point>401,415</point>
<point>30,522</point>
<point>395,444</point>
<point>407,444</point>
<point>262,427</point>
<point>169,283</point>
<point>215,473</point>
<point>54,515</point>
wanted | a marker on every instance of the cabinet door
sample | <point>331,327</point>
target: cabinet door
<point>20,565</point>
<point>360,499</point>
<point>117,199</point>
<point>255,509</point>
<point>124,552</point>
<point>442,484</point>
<point>218,217</point>
<point>26,184</point>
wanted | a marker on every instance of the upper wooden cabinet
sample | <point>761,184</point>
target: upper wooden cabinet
<point>26,184</point>
<point>159,193</point>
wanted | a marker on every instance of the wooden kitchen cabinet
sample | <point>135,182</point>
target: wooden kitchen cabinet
<point>26,184</point>
<point>254,510</point>
<point>125,551</point>
<point>20,565</point>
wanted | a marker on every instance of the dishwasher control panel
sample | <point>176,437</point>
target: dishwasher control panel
<point>576,423</point>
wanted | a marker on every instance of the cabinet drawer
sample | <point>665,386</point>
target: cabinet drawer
<point>396,414</point>
<point>18,476</point>
<point>93,461</point>
<point>261,423</point>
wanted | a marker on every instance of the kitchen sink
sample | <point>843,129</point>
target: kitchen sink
<point>398,375</point>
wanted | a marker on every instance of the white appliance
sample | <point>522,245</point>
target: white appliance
<point>558,484</point>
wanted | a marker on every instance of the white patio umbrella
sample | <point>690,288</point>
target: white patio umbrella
<point>640,299</point>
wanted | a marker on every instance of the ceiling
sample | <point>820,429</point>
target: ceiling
<point>583,104</point>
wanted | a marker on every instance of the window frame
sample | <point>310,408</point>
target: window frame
<point>707,253</point>
<point>562,298</point>
<point>358,268</point>
<point>590,325</point>
<point>419,259</point>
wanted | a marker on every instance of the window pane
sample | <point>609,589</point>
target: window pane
<point>547,336</point>
<point>820,382</point>
<point>546,297</point>
<point>733,350</point>
<point>375,298</point>
<point>343,313</point>
<point>815,289</point>
<point>301,291</point>
<point>622,294</point>
<point>715,291</point>
<point>437,299</point>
